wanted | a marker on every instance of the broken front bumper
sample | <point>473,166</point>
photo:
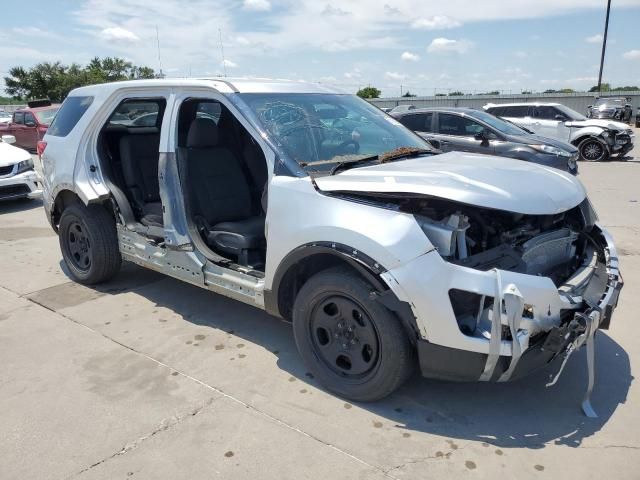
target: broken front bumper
<point>538,322</point>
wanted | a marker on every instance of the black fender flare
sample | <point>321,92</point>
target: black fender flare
<point>366,266</point>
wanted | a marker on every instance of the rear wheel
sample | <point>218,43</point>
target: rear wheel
<point>89,243</point>
<point>352,344</point>
<point>592,150</point>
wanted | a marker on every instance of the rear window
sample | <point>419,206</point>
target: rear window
<point>519,111</point>
<point>138,113</point>
<point>418,122</point>
<point>71,111</point>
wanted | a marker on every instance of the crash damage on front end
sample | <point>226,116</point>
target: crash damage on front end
<point>552,277</point>
<point>554,280</point>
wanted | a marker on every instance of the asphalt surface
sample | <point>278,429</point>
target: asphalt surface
<point>150,378</point>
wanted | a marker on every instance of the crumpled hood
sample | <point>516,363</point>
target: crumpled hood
<point>481,180</point>
<point>602,123</point>
<point>10,154</point>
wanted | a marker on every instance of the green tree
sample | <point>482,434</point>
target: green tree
<point>626,89</point>
<point>457,93</point>
<point>55,80</point>
<point>369,92</point>
<point>605,87</point>
<point>408,94</point>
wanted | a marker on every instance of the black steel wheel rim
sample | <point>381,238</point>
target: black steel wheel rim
<point>343,337</point>
<point>592,151</point>
<point>79,246</point>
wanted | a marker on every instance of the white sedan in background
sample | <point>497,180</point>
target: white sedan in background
<point>18,178</point>
<point>5,117</point>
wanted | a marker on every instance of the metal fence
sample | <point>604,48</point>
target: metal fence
<point>576,101</point>
<point>10,108</point>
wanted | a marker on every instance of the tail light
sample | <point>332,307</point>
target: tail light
<point>40,148</point>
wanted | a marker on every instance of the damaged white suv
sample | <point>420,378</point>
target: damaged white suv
<point>319,208</point>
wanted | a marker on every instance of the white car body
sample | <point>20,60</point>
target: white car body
<point>14,181</point>
<point>307,214</point>
<point>573,128</point>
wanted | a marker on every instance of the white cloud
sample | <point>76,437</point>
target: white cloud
<point>228,63</point>
<point>597,38</point>
<point>119,34</point>
<point>395,76</point>
<point>437,22</point>
<point>521,54</point>
<point>353,74</point>
<point>446,45</point>
<point>257,5</point>
<point>632,55</point>
<point>409,57</point>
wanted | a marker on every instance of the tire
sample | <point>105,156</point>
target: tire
<point>592,150</point>
<point>89,243</point>
<point>352,344</point>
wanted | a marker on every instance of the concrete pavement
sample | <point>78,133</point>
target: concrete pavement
<point>147,377</point>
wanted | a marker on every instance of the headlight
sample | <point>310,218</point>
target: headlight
<point>25,165</point>
<point>551,150</point>
<point>606,134</point>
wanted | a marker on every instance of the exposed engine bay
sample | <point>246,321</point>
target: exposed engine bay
<point>480,238</point>
<point>548,245</point>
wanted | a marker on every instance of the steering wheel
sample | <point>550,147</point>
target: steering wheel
<point>343,146</point>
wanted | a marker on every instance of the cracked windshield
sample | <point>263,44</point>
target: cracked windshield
<point>322,131</point>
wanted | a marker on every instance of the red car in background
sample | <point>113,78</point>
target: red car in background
<point>30,124</point>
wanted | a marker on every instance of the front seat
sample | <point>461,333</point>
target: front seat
<point>220,194</point>
<point>139,154</point>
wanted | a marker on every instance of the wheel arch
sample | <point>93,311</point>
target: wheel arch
<point>65,197</point>
<point>307,260</point>
<point>62,200</point>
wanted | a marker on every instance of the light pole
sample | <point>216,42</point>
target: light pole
<point>604,45</point>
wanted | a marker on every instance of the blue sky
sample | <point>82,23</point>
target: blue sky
<point>420,45</point>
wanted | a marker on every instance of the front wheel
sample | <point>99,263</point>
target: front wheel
<point>592,150</point>
<point>353,345</point>
<point>89,243</point>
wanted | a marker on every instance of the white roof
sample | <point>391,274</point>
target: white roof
<point>221,84</point>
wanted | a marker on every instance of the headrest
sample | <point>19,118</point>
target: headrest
<point>203,133</point>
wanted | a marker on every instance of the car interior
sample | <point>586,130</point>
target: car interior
<point>129,150</point>
<point>223,173</point>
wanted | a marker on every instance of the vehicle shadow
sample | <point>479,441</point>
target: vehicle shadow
<point>625,159</point>
<point>19,205</point>
<point>520,414</point>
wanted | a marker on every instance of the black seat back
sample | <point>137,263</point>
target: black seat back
<point>139,154</point>
<point>219,189</point>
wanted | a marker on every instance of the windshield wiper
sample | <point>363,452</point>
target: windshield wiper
<point>351,161</point>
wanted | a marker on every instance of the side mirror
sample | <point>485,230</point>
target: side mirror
<point>8,139</point>
<point>29,124</point>
<point>562,118</point>
<point>483,136</point>
<point>589,106</point>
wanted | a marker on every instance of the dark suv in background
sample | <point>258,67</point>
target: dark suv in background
<point>608,107</point>
<point>469,130</point>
